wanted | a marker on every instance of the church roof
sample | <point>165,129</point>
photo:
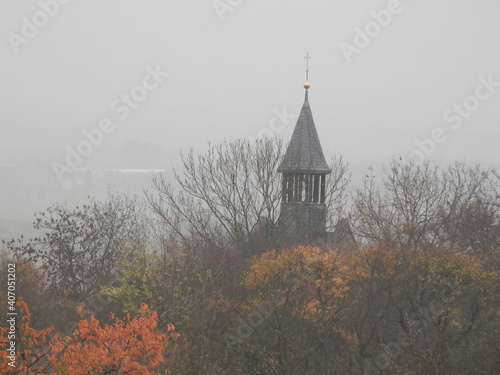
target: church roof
<point>304,153</point>
<point>342,238</point>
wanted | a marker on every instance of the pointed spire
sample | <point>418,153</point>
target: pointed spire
<point>304,153</point>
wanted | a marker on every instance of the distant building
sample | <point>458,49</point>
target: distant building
<point>304,173</point>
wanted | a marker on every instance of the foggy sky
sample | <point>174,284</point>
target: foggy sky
<point>229,76</point>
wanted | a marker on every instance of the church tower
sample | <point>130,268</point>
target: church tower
<point>303,172</point>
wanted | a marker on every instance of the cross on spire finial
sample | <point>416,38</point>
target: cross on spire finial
<point>307,57</point>
<point>306,83</point>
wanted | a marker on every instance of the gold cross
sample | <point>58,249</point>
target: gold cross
<point>307,57</point>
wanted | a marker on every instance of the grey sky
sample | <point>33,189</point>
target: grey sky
<point>227,76</point>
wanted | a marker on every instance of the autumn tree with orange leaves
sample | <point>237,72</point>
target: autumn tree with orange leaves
<point>132,345</point>
<point>291,323</point>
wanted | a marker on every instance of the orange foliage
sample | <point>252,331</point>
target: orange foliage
<point>314,281</point>
<point>127,346</point>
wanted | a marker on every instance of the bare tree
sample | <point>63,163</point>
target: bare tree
<point>82,247</point>
<point>233,191</point>
<point>337,193</point>
<point>426,205</point>
<point>223,192</point>
<point>472,219</point>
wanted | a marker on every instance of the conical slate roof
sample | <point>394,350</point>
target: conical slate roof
<point>304,153</point>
